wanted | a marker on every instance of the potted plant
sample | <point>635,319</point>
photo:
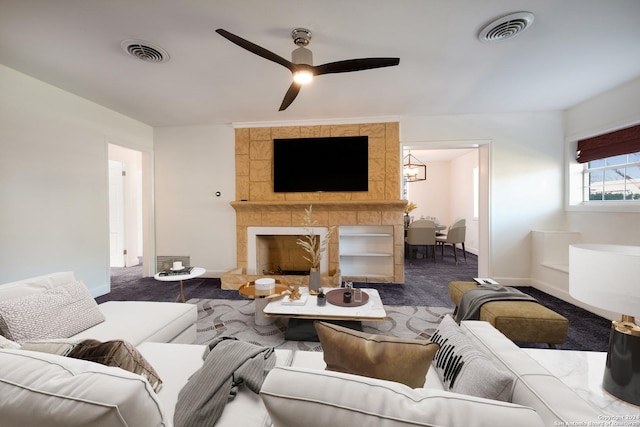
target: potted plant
<point>407,210</point>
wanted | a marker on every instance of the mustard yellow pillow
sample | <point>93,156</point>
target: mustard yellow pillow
<point>376,356</point>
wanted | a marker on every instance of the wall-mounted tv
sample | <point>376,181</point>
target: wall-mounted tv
<point>321,164</point>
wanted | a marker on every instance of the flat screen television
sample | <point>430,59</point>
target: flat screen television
<point>321,164</point>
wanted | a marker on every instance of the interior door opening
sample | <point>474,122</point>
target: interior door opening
<point>478,197</point>
<point>125,207</point>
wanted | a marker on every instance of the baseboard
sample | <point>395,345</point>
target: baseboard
<point>214,274</point>
<point>566,296</point>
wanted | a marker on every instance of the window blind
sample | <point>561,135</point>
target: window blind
<point>623,141</point>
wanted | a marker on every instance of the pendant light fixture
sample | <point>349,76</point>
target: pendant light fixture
<point>413,169</point>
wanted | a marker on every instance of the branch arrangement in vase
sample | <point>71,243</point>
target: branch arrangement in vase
<point>309,242</point>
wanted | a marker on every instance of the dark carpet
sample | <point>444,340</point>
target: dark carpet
<point>426,284</point>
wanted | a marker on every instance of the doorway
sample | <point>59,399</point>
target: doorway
<point>477,203</point>
<point>126,224</point>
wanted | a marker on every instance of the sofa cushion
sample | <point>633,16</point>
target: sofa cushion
<point>377,356</point>
<point>141,321</point>
<point>117,353</point>
<point>59,312</point>
<point>310,397</point>
<point>465,369</point>
<point>56,391</point>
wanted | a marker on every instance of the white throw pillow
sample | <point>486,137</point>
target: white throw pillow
<point>60,312</point>
<point>463,368</point>
<point>42,389</point>
<point>315,398</point>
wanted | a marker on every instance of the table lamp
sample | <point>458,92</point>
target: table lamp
<point>608,277</point>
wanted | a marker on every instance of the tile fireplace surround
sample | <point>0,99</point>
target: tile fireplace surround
<point>257,206</point>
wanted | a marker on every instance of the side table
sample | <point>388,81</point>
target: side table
<point>261,299</point>
<point>195,272</point>
<point>583,371</point>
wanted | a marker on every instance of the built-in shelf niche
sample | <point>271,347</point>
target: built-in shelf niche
<point>366,251</point>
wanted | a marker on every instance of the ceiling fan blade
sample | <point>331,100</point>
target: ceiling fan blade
<point>254,48</point>
<point>291,94</point>
<point>355,65</point>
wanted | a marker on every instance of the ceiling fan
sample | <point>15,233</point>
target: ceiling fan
<point>301,64</point>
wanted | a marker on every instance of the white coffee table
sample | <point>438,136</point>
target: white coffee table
<point>195,272</point>
<point>301,317</point>
<point>373,310</point>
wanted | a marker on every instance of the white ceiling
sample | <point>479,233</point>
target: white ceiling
<point>574,50</point>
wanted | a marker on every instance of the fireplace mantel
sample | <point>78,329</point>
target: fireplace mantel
<point>320,205</point>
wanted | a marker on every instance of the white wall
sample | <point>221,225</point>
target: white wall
<point>462,189</point>
<point>191,164</point>
<point>53,180</point>
<point>432,196</point>
<point>526,165</point>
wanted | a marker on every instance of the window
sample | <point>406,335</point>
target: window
<point>611,166</point>
<point>615,178</point>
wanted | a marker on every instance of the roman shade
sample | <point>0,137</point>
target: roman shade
<point>623,141</point>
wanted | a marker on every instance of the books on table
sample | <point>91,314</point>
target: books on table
<point>483,281</point>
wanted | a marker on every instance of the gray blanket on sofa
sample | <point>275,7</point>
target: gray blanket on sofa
<point>472,300</point>
<point>229,363</point>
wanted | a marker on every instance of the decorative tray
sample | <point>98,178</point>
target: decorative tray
<point>335,297</point>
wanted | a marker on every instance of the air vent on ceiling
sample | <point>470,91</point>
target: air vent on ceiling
<point>506,27</point>
<point>145,51</point>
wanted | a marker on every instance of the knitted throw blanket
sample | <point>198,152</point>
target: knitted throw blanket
<point>472,300</point>
<point>228,364</point>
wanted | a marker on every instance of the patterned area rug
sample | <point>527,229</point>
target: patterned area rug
<point>222,317</point>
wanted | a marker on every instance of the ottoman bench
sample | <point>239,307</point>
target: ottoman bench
<point>522,321</point>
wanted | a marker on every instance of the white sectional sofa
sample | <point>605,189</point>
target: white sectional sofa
<point>43,389</point>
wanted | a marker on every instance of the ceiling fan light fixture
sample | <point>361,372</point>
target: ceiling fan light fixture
<point>302,66</point>
<point>302,77</point>
<point>301,36</point>
<point>302,56</point>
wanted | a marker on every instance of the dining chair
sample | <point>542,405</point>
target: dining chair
<point>422,233</point>
<point>455,235</point>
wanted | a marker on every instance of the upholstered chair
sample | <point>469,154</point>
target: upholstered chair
<point>455,235</point>
<point>421,233</point>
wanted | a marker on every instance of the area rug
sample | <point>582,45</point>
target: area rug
<point>222,317</point>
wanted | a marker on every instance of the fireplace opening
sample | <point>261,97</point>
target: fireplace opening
<point>281,254</point>
<point>279,271</point>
